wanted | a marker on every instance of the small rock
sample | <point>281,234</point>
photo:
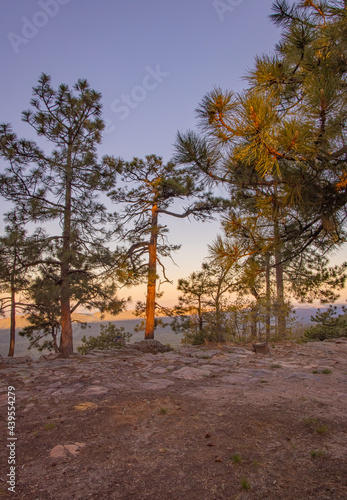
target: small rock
<point>58,452</point>
<point>72,448</point>
<point>96,390</point>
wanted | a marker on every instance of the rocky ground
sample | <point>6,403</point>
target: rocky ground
<point>195,423</point>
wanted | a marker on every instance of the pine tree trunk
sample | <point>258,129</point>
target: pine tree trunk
<point>281,320</point>
<point>152,276</point>
<point>66,340</point>
<point>268,299</point>
<point>220,332</point>
<point>201,322</point>
<point>253,323</point>
<point>13,304</point>
<point>254,313</point>
<point>54,336</point>
<point>13,322</point>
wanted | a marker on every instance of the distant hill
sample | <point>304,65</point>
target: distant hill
<point>126,320</point>
<point>21,320</point>
<point>304,313</point>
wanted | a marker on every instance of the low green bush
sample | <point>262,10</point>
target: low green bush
<point>111,337</point>
<point>329,325</point>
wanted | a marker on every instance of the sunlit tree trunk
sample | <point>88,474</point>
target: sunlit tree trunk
<point>13,304</point>
<point>66,340</point>
<point>268,298</point>
<point>152,276</point>
<point>281,319</point>
<point>13,321</point>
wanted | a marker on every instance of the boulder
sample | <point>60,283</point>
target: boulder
<point>262,348</point>
<point>150,345</point>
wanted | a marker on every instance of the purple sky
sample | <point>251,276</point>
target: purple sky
<point>152,61</point>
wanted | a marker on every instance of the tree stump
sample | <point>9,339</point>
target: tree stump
<point>262,348</point>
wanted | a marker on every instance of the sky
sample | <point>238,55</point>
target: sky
<point>152,61</point>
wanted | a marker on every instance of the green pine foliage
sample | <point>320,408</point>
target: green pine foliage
<point>329,325</point>
<point>62,185</point>
<point>280,148</point>
<point>111,337</point>
<point>149,190</point>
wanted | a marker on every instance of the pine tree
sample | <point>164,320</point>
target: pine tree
<point>155,186</point>
<point>281,144</point>
<point>20,254</point>
<point>62,185</point>
<point>200,313</point>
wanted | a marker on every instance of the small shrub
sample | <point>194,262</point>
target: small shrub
<point>326,371</point>
<point>316,426</point>
<point>275,365</point>
<point>163,411</point>
<point>310,421</point>
<point>236,459</point>
<point>317,454</point>
<point>322,429</point>
<point>110,338</point>
<point>328,325</point>
<point>49,426</point>
<point>245,484</point>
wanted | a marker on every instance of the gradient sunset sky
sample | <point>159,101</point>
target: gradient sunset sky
<point>153,61</point>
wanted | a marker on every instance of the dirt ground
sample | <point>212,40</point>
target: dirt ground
<point>197,424</point>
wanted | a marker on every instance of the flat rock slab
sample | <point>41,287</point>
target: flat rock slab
<point>189,373</point>
<point>61,392</point>
<point>235,379</point>
<point>157,385</point>
<point>96,390</point>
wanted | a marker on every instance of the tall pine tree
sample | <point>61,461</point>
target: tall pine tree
<point>61,185</point>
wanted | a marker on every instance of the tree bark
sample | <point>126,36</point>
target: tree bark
<point>219,329</point>
<point>281,319</point>
<point>201,322</point>
<point>268,299</point>
<point>13,304</point>
<point>152,276</point>
<point>54,335</point>
<point>13,321</point>
<point>66,340</point>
